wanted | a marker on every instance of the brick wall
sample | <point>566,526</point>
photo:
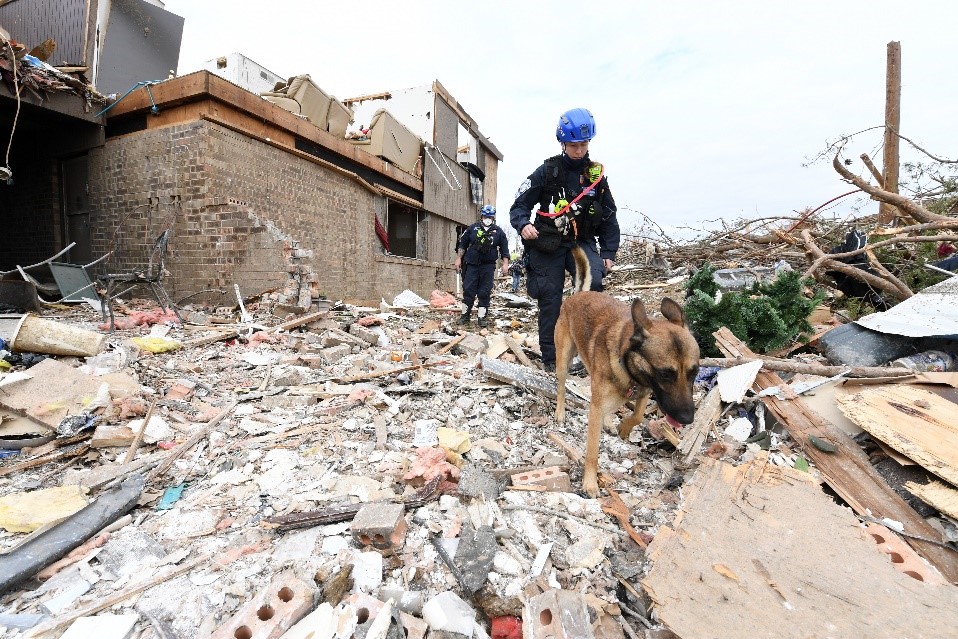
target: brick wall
<point>30,219</point>
<point>248,213</point>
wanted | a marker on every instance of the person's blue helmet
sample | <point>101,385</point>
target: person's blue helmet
<point>575,125</point>
<point>488,211</point>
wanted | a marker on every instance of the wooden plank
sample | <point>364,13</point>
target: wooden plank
<point>770,555</point>
<point>706,414</point>
<point>914,421</point>
<point>847,471</point>
<point>517,351</point>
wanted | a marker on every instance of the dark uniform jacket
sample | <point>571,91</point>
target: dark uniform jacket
<point>483,245</point>
<point>593,217</point>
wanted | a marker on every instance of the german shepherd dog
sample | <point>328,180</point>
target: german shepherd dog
<point>626,354</point>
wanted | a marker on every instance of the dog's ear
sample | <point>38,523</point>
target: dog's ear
<point>641,321</point>
<point>672,311</point>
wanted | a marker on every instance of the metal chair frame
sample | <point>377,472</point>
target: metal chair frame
<point>151,276</point>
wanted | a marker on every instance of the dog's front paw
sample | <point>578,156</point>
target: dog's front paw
<point>590,486</point>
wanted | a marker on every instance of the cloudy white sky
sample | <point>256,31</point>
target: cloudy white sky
<point>705,110</point>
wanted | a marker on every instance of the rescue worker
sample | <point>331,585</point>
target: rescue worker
<point>476,253</point>
<point>570,203</point>
<point>516,268</point>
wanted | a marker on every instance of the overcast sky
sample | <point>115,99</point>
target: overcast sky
<point>704,110</point>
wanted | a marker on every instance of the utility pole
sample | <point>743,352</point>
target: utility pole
<point>890,158</point>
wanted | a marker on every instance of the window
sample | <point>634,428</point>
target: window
<point>406,230</point>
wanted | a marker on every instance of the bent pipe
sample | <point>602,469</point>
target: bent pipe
<point>41,551</point>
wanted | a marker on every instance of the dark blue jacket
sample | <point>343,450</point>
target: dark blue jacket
<point>483,245</point>
<point>556,179</point>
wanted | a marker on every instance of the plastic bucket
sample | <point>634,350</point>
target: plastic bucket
<point>37,335</point>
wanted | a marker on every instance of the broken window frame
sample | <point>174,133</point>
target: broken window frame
<point>414,246</point>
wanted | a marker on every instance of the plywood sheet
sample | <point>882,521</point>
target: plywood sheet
<point>55,391</point>
<point>760,551</point>
<point>917,423</point>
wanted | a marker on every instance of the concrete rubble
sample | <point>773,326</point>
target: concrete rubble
<point>369,471</point>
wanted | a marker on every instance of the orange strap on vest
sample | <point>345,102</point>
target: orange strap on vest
<point>577,198</point>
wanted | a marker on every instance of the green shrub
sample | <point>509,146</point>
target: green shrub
<point>766,316</point>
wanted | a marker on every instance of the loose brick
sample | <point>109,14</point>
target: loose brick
<point>551,478</point>
<point>271,612</point>
<point>380,525</point>
<point>902,556</point>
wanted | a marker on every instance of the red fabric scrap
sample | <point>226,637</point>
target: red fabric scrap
<point>381,234</point>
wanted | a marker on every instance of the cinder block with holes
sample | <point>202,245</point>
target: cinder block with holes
<point>367,607</point>
<point>551,478</point>
<point>902,556</point>
<point>559,614</point>
<point>270,612</point>
<point>381,525</point>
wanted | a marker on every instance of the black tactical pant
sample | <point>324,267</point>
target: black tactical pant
<point>545,279</point>
<point>477,282</point>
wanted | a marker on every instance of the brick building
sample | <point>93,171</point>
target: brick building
<point>254,195</point>
<point>269,201</point>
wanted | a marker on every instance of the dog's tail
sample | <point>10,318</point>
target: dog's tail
<point>583,272</point>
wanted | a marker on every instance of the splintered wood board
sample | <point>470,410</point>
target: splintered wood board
<point>759,550</point>
<point>917,423</point>
<point>943,498</point>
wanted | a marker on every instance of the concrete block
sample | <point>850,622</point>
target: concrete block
<point>368,608</point>
<point>447,611</point>
<point>363,333</point>
<point>902,556</point>
<point>102,627</point>
<point>380,525</point>
<point>408,601</point>
<point>333,354</point>
<point>288,401</point>
<point>551,478</point>
<point>559,614</point>
<point>312,360</point>
<point>271,612</point>
<point>473,344</point>
<point>476,482</point>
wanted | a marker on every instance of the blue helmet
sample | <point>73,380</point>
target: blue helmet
<point>575,125</point>
<point>488,211</point>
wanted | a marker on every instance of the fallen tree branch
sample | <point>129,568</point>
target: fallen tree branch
<point>901,202</point>
<point>821,260</point>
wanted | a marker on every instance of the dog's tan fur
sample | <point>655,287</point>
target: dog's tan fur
<point>623,349</point>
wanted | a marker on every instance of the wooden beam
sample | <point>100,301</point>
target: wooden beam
<point>890,156</point>
<point>848,470</point>
<point>385,95</point>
